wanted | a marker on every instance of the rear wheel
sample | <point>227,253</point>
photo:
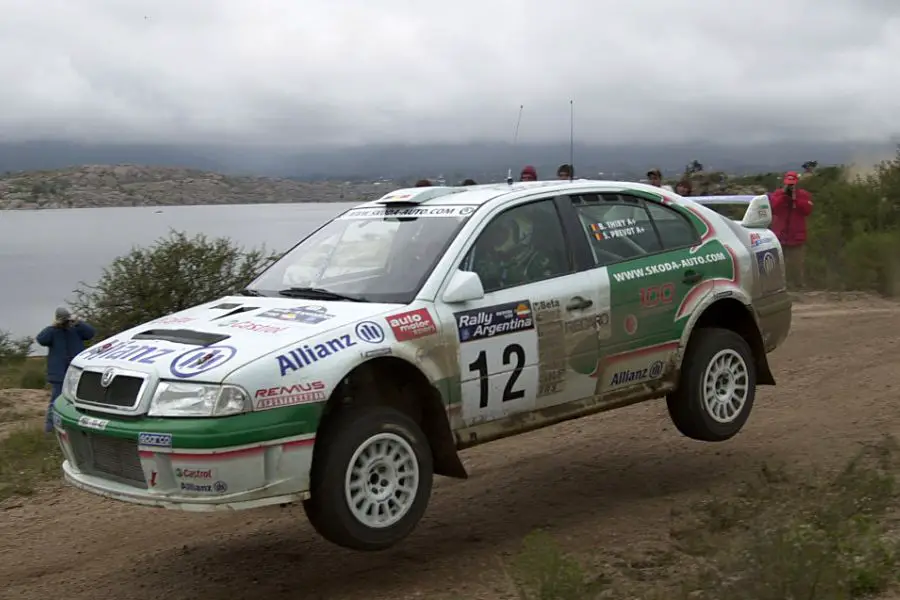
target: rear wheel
<point>717,388</point>
<point>371,478</point>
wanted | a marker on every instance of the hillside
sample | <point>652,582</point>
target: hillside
<point>130,185</point>
<point>133,185</point>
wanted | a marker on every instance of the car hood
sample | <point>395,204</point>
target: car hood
<point>207,342</point>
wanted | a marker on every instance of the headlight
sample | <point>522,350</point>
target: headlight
<point>70,382</point>
<point>175,399</point>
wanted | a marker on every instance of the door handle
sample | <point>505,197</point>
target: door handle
<point>692,276</point>
<point>578,303</point>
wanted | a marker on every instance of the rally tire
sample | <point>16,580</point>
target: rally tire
<point>351,447</point>
<point>717,386</point>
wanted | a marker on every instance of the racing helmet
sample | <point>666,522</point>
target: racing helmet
<point>509,237</point>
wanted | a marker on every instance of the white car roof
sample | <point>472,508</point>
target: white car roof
<point>482,194</point>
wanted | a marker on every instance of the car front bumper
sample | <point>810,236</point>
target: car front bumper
<point>111,458</point>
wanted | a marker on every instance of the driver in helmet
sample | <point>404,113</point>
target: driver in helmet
<point>507,255</point>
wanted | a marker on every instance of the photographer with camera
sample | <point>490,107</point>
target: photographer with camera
<point>790,208</point>
<point>64,340</point>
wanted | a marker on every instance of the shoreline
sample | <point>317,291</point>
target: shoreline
<point>25,208</point>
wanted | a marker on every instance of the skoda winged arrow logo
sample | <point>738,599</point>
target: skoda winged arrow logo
<point>107,378</point>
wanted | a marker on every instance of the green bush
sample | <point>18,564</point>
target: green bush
<point>13,350</point>
<point>853,234</point>
<point>175,273</point>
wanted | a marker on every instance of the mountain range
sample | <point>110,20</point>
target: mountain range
<point>482,162</point>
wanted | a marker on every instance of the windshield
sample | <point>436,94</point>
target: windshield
<point>367,254</point>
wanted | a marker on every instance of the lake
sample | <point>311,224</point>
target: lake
<point>44,254</point>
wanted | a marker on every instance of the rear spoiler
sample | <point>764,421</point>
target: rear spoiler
<point>757,216</point>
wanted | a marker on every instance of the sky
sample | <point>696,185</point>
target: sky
<point>322,73</point>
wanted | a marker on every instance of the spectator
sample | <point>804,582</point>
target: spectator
<point>566,172</point>
<point>655,177</point>
<point>790,208</point>
<point>423,183</point>
<point>529,173</point>
<point>64,339</point>
<point>684,187</point>
<point>469,182</point>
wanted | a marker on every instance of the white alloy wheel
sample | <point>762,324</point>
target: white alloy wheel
<point>382,480</point>
<point>726,386</point>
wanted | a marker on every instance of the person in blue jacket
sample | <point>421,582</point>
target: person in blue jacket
<point>63,340</point>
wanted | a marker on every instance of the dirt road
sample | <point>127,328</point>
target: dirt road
<point>606,482</point>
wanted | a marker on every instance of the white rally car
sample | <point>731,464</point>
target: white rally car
<point>411,327</point>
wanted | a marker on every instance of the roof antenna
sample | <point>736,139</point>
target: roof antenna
<point>571,140</point>
<point>509,176</point>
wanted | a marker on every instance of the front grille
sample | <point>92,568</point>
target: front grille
<point>121,393</point>
<point>108,457</point>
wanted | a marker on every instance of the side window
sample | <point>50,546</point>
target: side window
<point>617,227</point>
<point>521,245</point>
<point>674,229</point>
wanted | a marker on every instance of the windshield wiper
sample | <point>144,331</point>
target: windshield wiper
<point>317,294</point>
<point>249,292</point>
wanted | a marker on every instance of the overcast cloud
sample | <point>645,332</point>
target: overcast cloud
<point>320,72</point>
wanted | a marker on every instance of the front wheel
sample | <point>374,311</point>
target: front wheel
<point>371,479</point>
<point>717,388</point>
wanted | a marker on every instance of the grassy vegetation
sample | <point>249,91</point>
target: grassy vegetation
<point>17,368</point>
<point>28,456</point>
<point>780,536</point>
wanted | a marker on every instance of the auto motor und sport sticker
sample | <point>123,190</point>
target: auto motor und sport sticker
<point>412,324</point>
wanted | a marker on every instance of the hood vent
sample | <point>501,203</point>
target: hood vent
<point>237,311</point>
<point>182,336</point>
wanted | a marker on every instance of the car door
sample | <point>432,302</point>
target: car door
<point>647,283</point>
<point>516,343</point>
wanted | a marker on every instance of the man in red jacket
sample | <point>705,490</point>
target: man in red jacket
<point>790,208</point>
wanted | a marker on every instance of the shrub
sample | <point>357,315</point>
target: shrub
<point>854,231</point>
<point>175,273</point>
<point>13,350</point>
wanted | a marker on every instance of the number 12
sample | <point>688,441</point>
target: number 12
<point>480,366</point>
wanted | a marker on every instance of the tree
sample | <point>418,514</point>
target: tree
<point>175,273</point>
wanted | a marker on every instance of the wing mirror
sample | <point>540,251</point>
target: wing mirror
<point>759,213</point>
<point>464,286</point>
